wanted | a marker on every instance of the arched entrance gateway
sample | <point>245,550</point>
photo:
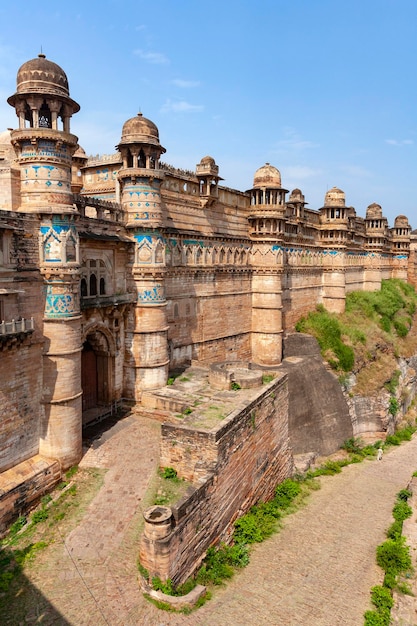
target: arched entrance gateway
<point>97,375</point>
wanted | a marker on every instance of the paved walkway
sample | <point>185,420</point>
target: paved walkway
<point>317,571</point>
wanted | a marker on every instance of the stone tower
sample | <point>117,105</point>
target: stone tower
<point>334,221</point>
<point>140,179</point>
<point>44,147</point>
<point>266,227</point>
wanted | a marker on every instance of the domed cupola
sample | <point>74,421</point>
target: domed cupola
<point>400,235</point>
<point>139,144</point>
<point>208,176</point>
<point>267,197</point>
<point>42,95</point>
<point>267,176</point>
<point>376,228</point>
<point>140,176</point>
<point>335,197</point>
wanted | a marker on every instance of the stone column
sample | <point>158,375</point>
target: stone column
<point>334,281</point>
<point>267,317</point>
<point>61,424</point>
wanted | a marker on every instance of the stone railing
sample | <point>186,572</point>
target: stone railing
<point>15,327</point>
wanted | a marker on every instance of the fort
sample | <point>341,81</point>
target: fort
<point>117,270</point>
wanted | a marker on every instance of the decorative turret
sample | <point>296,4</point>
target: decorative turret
<point>44,150</point>
<point>334,219</point>
<point>376,228</point>
<point>140,176</point>
<point>400,235</point>
<point>140,179</point>
<point>208,176</point>
<point>267,212</point>
<point>79,159</point>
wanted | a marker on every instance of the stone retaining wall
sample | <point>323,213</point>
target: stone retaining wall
<point>233,466</point>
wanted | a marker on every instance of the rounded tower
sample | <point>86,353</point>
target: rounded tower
<point>43,142</point>
<point>267,215</point>
<point>140,180</point>
<point>44,147</point>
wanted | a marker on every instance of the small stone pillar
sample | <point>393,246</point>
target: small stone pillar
<point>154,551</point>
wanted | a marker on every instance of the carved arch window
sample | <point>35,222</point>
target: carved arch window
<point>94,280</point>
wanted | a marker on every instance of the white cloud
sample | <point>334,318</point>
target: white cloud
<point>180,106</point>
<point>185,84</point>
<point>157,58</point>
<point>400,142</point>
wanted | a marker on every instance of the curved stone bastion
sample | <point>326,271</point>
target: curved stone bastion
<point>234,375</point>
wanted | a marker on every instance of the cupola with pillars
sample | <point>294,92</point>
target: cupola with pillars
<point>267,218</point>
<point>44,147</point>
<point>140,180</point>
<point>267,204</point>
<point>400,235</point>
<point>376,228</point>
<point>208,177</point>
<point>43,142</point>
<point>140,177</point>
<point>334,219</point>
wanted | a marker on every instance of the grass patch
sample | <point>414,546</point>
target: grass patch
<point>393,557</point>
<point>368,334</point>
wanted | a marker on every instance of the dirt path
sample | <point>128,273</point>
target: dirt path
<point>317,571</point>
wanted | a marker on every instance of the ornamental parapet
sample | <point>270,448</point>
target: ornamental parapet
<point>16,327</point>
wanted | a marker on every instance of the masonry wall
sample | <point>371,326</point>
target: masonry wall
<point>209,315</point>
<point>21,296</point>
<point>236,465</point>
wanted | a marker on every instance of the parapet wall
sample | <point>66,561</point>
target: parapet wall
<point>233,466</point>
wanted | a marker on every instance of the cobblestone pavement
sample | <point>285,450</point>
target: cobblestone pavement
<point>317,571</point>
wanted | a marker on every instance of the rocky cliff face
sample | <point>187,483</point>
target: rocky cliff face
<point>323,413</point>
<point>374,416</point>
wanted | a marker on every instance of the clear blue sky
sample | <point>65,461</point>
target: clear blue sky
<point>325,90</point>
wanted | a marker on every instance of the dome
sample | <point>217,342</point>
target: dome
<point>374,211</point>
<point>334,197</point>
<point>401,221</point>
<point>296,196</point>
<point>140,130</point>
<point>267,176</point>
<point>42,76</point>
<point>80,153</point>
<point>207,160</point>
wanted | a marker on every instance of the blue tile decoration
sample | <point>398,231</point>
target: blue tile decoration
<point>153,295</point>
<point>59,305</point>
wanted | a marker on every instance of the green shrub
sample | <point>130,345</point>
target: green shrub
<point>395,530</point>
<point>169,473</point>
<point>286,492</point>
<point>216,568</point>
<point>40,516</point>
<point>377,618</point>
<point>404,494</point>
<point>381,597</point>
<point>393,556</point>
<point>258,524</point>
<point>17,525</point>
<point>401,511</point>
<point>352,445</point>
<point>393,406</point>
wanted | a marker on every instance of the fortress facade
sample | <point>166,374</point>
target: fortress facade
<point>116,270</point>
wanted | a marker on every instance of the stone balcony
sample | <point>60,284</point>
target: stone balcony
<point>103,301</point>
